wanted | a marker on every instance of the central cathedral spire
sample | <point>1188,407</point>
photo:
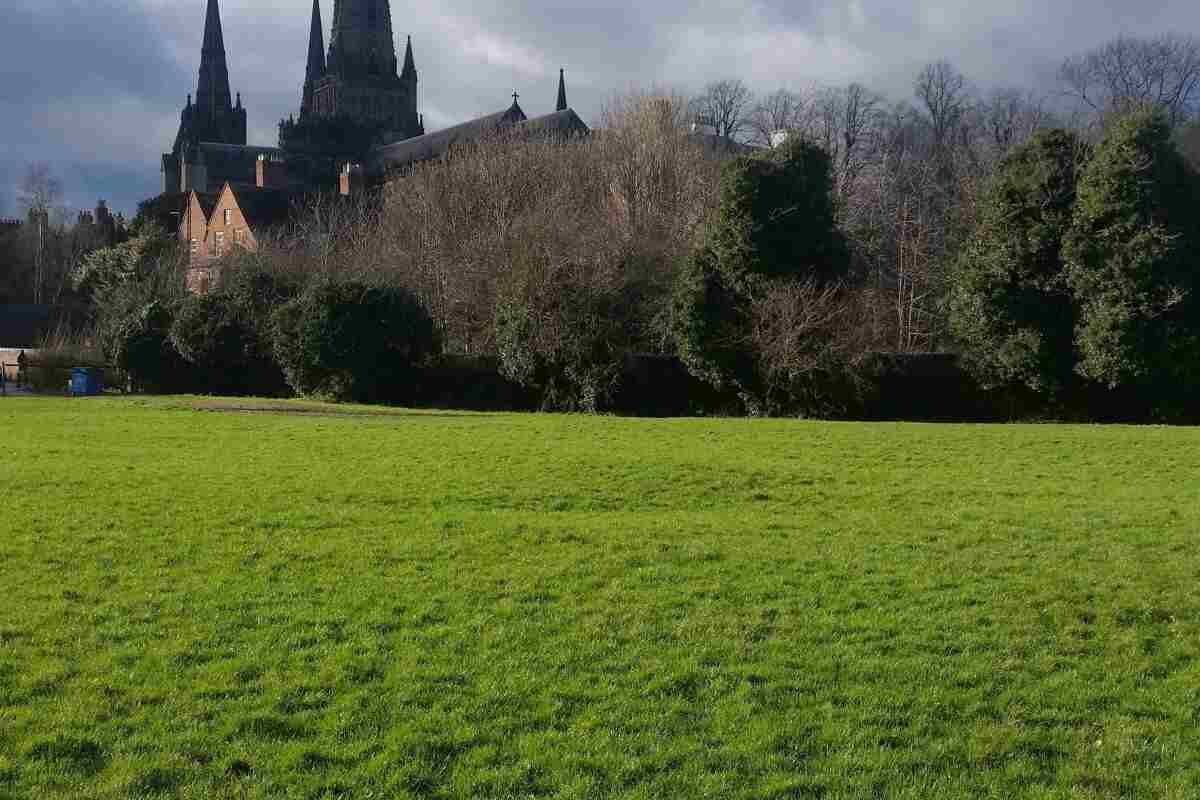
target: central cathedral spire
<point>359,81</point>
<point>362,43</point>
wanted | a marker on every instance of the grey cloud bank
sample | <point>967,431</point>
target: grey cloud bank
<point>96,88</point>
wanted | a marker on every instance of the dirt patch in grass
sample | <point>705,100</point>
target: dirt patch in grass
<point>314,409</point>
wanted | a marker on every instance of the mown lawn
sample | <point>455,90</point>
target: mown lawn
<point>254,604</point>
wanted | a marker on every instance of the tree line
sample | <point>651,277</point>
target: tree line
<point>1054,253</point>
<point>40,251</point>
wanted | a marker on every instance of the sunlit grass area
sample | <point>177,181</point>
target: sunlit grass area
<point>230,599</point>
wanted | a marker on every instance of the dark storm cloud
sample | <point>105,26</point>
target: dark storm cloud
<point>97,86</point>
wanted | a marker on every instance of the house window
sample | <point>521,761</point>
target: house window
<point>228,216</point>
<point>193,246</point>
<point>219,244</point>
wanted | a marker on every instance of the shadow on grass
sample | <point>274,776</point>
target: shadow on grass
<point>79,756</point>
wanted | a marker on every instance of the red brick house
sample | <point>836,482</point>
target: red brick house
<point>213,225</point>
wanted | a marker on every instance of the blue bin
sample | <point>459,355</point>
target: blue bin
<point>86,382</point>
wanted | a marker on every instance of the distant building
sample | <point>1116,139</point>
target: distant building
<point>215,224</point>
<point>100,228</point>
<point>358,105</point>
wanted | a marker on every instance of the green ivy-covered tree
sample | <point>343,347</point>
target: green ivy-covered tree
<point>1011,307</point>
<point>776,222</point>
<point>1133,262</point>
<point>348,341</point>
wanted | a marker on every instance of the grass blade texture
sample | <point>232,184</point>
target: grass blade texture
<point>208,599</point>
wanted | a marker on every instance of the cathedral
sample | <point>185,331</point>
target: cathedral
<point>358,114</point>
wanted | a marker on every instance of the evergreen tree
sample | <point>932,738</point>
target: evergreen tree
<point>1011,307</point>
<point>1132,262</point>
<point>776,222</point>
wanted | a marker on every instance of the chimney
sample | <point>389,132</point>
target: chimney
<point>271,172</point>
<point>351,182</point>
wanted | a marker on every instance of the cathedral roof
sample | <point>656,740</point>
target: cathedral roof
<point>437,144</point>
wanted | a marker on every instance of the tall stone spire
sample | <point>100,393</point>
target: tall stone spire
<point>316,59</point>
<point>212,91</point>
<point>213,118</point>
<point>410,65</point>
<point>562,91</point>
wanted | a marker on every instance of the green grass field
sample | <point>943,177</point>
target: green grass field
<point>204,603</point>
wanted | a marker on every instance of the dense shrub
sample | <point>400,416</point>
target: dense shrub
<point>349,341</point>
<point>149,254</point>
<point>565,337</point>
<point>224,348</point>
<point>1011,308</point>
<point>134,332</point>
<point>226,335</point>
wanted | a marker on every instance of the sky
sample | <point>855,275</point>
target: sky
<point>95,87</point>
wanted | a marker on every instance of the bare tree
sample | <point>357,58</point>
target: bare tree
<point>725,105</point>
<point>943,92</point>
<point>39,194</point>
<point>1129,72</point>
<point>844,121</point>
<point>859,118</point>
<point>1011,116</point>
<point>518,217</point>
<point>39,189</point>
<point>782,110</point>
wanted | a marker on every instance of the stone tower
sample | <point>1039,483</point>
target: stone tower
<point>362,79</point>
<point>213,117</point>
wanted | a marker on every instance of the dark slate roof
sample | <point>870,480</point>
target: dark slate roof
<point>208,201</point>
<point>264,208</point>
<point>559,123</point>
<point>722,145</point>
<point>437,144</point>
